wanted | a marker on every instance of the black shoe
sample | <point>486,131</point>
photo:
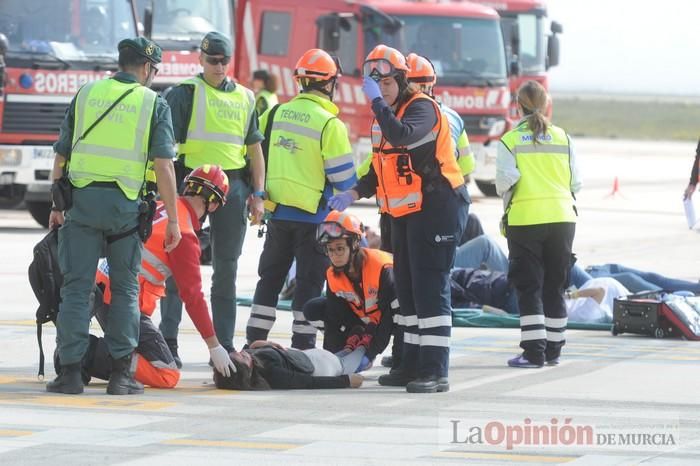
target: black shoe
<point>430,384</point>
<point>387,361</point>
<point>69,381</point>
<point>172,346</point>
<point>395,378</point>
<point>121,380</point>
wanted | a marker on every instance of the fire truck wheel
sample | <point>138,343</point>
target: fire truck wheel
<point>489,189</point>
<point>40,211</point>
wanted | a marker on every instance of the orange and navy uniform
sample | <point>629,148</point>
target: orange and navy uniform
<point>402,169</point>
<point>182,263</point>
<point>365,301</point>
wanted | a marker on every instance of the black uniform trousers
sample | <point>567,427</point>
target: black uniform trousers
<point>539,262</point>
<point>284,242</point>
<point>337,321</point>
<point>424,245</point>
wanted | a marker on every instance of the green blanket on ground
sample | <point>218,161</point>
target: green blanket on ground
<point>467,318</point>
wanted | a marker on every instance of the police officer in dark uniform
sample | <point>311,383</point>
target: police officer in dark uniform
<point>112,128</point>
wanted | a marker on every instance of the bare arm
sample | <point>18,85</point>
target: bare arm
<point>165,178</point>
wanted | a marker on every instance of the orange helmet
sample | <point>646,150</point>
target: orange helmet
<point>384,61</point>
<point>208,181</point>
<point>339,225</point>
<point>421,70</point>
<point>317,64</point>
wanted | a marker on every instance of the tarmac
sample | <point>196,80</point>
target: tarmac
<point>613,400</point>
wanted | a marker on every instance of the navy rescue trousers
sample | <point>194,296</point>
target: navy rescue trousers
<point>284,242</point>
<point>539,263</point>
<point>424,245</point>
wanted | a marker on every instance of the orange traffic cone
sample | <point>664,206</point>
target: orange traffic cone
<point>615,189</point>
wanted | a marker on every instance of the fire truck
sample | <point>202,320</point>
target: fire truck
<point>463,40</point>
<point>49,48</point>
<point>531,52</point>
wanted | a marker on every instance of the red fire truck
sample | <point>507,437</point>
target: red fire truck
<point>463,40</point>
<point>49,48</point>
<point>531,52</point>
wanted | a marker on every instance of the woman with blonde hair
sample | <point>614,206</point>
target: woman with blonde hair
<point>537,177</point>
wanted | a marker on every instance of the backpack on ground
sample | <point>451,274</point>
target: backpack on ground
<point>46,280</point>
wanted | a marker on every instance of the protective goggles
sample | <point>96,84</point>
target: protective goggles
<point>217,61</point>
<point>378,69</point>
<point>329,230</point>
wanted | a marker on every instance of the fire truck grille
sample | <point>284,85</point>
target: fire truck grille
<point>36,118</point>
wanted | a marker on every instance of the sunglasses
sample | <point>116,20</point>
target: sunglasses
<point>217,61</point>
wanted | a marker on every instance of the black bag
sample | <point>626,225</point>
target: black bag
<point>642,314</point>
<point>46,280</point>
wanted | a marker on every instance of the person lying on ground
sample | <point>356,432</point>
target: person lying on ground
<point>267,365</point>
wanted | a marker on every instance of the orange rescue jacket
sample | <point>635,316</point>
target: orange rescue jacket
<point>400,187</point>
<point>365,307</point>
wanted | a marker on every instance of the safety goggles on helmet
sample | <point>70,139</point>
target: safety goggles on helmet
<point>378,69</point>
<point>327,231</point>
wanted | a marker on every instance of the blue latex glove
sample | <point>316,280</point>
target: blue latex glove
<point>341,201</point>
<point>371,88</point>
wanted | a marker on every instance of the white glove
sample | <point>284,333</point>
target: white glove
<point>221,360</point>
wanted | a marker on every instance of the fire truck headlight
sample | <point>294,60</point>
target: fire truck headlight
<point>10,157</point>
<point>26,81</point>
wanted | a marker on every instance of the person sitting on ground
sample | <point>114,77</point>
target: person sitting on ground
<point>360,305</point>
<point>266,365</point>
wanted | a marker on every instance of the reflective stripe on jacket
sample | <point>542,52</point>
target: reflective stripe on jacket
<point>300,160</point>
<point>400,186</point>
<point>155,263</point>
<point>543,192</point>
<point>116,149</point>
<point>218,126</point>
<point>366,307</point>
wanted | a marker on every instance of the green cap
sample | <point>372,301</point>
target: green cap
<point>144,47</point>
<point>215,43</point>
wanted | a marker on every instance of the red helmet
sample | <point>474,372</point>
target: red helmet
<point>208,181</point>
<point>339,225</point>
<point>316,64</point>
<point>421,70</point>
<point>383,62</point>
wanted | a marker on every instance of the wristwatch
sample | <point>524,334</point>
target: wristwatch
<point>260,194</point>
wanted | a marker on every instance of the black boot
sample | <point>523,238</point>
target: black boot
<point>68,381</point>
<point>395,378</point>
<point>172,345</point>
<point>121,380</point>
<point>430,384</point>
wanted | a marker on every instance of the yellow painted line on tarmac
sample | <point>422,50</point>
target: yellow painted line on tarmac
<point>4,379</point>
<point>231,444</point>
<point>84,402</point>
<point>506,457</point>
<point>14,433</point>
